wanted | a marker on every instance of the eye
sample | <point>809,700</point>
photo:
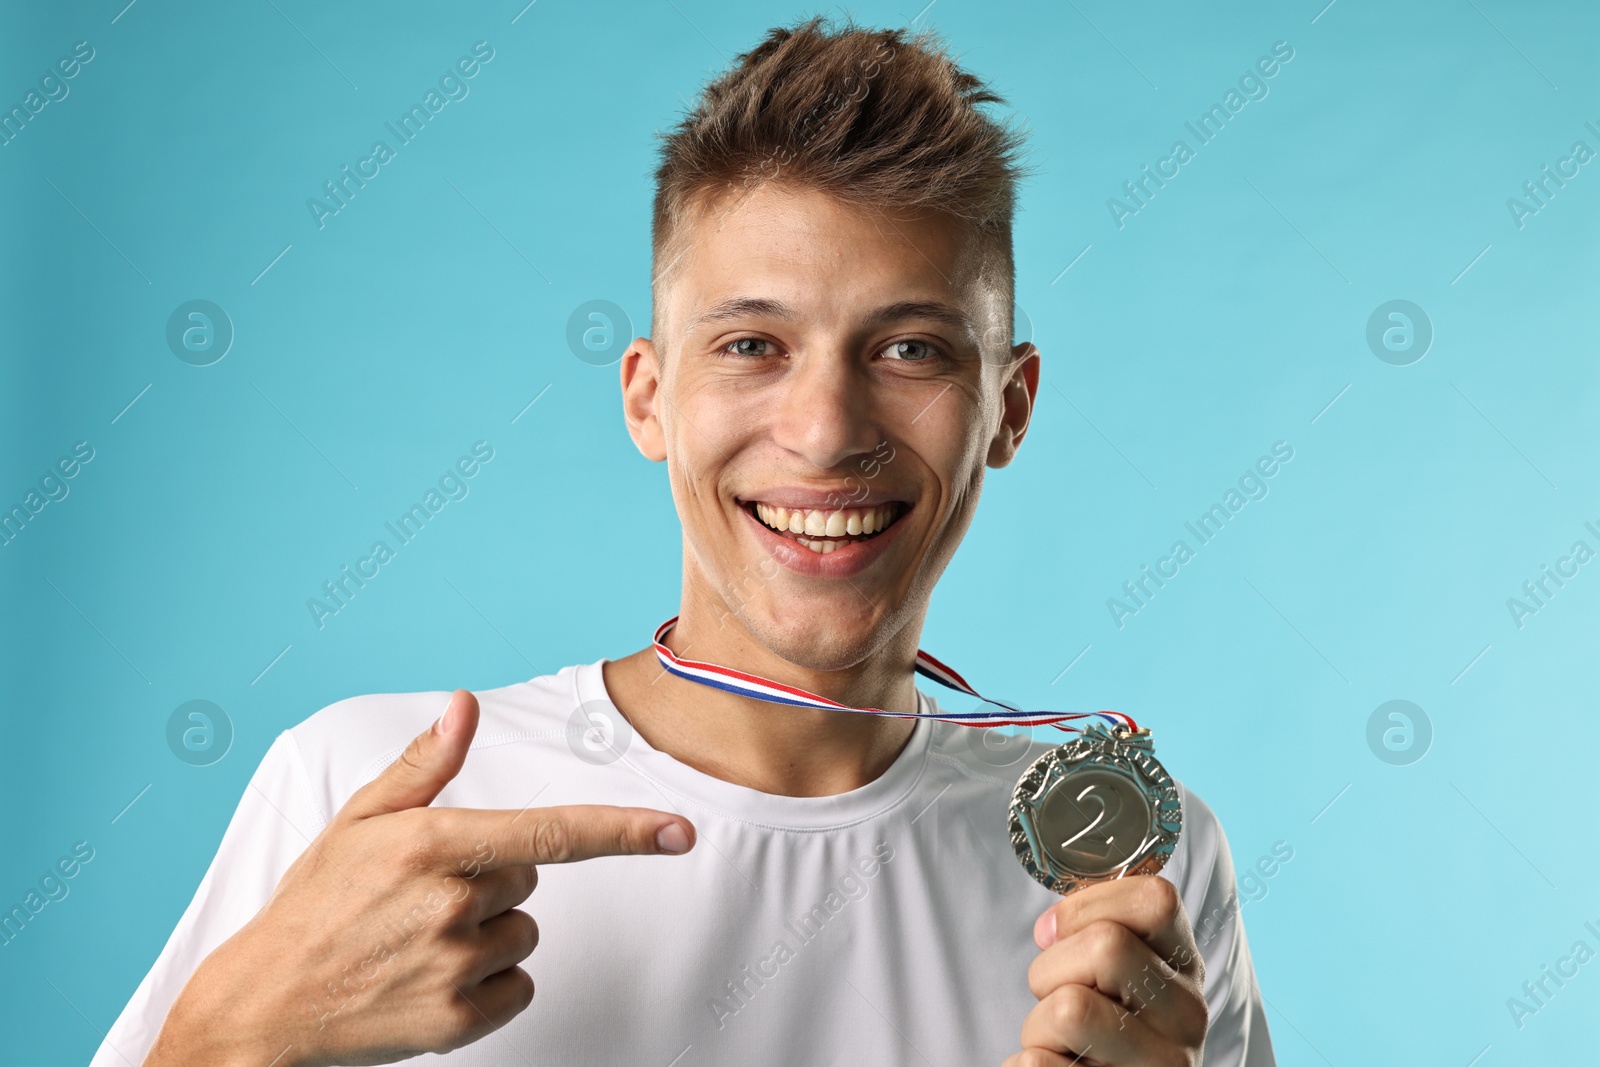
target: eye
<point>752,347</point>
<point>911,351</point>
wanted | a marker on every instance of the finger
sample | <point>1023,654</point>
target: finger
<point>1147,904</point>
<point>425,767</point>
<point>1111,959</point>
<point>569,834</point>
<point>1076,1021</point>
<point>497,1000</point>
<point>499,890</point>
<point>504,941</point>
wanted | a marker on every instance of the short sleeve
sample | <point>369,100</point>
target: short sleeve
<point>1237,1034</point>
<point>277,817</point>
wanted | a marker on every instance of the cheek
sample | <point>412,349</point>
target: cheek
<point>950,437</point>
<point>703,440</point>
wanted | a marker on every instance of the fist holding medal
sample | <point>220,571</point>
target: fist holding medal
<point>1118,977</point>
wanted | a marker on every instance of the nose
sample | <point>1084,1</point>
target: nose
<point>826,414</point>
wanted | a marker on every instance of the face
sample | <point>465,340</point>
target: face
<point>826,387</point>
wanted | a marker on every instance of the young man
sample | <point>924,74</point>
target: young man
<point>829,376</point>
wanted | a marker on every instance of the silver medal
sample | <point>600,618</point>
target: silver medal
<point>1095,808</point>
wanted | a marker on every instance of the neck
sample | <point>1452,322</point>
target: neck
<point>770,747</point>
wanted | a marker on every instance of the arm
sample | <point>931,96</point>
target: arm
<point>1237,1035</point>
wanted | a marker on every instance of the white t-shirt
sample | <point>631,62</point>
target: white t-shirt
<point>891,924</point>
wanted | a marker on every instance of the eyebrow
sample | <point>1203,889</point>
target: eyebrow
<point>759,307</point>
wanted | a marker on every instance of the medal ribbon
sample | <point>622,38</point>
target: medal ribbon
<point>758,688</point>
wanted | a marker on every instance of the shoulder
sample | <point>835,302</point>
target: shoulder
<point>346,744</point>
<point>1201,865</point>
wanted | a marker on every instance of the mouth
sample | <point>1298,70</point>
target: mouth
<point>827,530</point>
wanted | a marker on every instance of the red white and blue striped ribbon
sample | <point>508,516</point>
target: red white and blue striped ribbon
<point>758,688</point>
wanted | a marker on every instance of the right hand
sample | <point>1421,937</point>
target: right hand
<point>396,931</point>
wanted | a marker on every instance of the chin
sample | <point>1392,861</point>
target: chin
<point>821,642</point>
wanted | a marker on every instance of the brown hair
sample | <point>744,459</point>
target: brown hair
<point>870,116</point>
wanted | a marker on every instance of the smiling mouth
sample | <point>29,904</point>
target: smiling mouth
<point>824,531</point>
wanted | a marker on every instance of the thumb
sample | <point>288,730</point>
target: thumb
<point>433,758</point>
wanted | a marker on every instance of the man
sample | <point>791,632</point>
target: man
<point>829,375</point>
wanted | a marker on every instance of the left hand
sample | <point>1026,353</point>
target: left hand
<point>1119,980</point>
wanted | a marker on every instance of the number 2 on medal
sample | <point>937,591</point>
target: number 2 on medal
<point>1104,813</point>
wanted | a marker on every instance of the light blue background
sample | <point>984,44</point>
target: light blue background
<point>1223,317</point>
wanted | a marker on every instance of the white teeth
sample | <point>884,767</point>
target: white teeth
<point>815,523</point>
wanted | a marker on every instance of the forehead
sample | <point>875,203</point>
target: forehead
<point>818,254</point>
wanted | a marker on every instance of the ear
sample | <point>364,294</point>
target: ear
<point>1017,396</point>
<point>641,388</point>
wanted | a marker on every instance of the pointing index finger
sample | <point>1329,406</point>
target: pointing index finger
<point>570,833</point>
